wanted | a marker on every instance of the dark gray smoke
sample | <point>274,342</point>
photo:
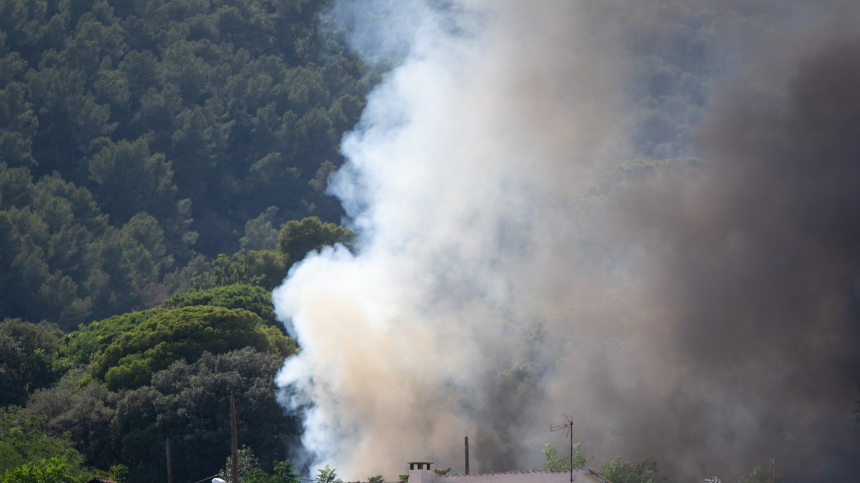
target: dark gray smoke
<point>513,267</point>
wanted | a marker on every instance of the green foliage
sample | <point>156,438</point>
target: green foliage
<point>283,474</point>
<point>62,261</point>
<point>189,403</point>
<point>327,475</point>
<point>259,233</point>
<point>117,473</point>
<point>297,238</point>
<point>90,341</point>
<point>23,442</point>
<point>184,333</point>
<point>375,479</point>
<point>227,270</point>
<point>182,120</point>
<point>131,180</point>
<point>270,266</point>
<point>558,462</point>
<point>27,359</point>
<point>245,462</point>
<point>761,474</point>
<point>84,412</point>
<point>252,298</point>
<point>635,471</point>
<point>184,279</point>
<point>250,471</point>
<point>403,478</point>
<point>442,472</point>
<point>53,470</point>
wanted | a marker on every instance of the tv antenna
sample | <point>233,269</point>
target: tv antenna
<point>568,429</point>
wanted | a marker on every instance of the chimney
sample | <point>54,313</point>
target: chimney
<point>419,472</point>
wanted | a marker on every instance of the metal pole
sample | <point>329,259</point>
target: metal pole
<point>235,441</point>
<point>467,455</point>
<point>167,449</point>
<point>571,450</point>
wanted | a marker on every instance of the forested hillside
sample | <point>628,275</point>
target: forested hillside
<point>162,165</point>
<point>138,137</point>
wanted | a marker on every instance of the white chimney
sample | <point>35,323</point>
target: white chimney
<point>419,472</point>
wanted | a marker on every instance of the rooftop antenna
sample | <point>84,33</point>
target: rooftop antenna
<point>568,429</point>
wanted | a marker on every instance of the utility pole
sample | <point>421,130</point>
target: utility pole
<point>571,452</point>
<point>772,463</point>
<point>167,450</point>
<point>467,455</point>
<point>235,440</point>
<point>567,426</point>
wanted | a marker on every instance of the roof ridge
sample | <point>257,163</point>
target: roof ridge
<point>511,472</point>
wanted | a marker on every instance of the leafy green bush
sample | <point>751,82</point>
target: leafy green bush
<point>634,471</point>
<point>297,238</point>
<point>27,359</point>
<point>89,341</point>
<point>557,462</point>
<point>184,333</point>
<point>53,470</point>
<point>270,266</point>
<point>24,446</point>
<point>226,270</point>
<point>254,299</point>
<point>189,403</point>
<point>250,472</point>
<point>327,475</point>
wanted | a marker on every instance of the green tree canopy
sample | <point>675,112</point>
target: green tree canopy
<point>297,238</point>
<point>60,259</point>
<point>184,333</point>
<point>252,298</point>
<point>54,470</point>
<point>260,234</point>
<point>26,359</point>
<point>558,462</point>
<point>195,116</point>
<point>269,266</point>
<point>25,446</point>
<point>131,180</point>
<point>189,403</point>
<point>327,475</point>
<point>91,340</point>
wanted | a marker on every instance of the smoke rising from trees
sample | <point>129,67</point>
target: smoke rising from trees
<point>512,264</point>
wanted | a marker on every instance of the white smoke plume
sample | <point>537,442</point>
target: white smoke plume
<point>512,266</point>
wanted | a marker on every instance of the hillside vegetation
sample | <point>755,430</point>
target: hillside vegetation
<point>140,139</point>
<point>163,164</point>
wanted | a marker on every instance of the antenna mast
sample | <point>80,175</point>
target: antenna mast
<point>568,429</point>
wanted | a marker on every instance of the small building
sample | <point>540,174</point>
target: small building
<point>420,472</point>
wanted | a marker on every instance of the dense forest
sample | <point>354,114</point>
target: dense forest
<point>139,140</point>
<point>162,164</point>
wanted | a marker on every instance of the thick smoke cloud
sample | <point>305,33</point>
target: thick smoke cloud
<point>513,266</point>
